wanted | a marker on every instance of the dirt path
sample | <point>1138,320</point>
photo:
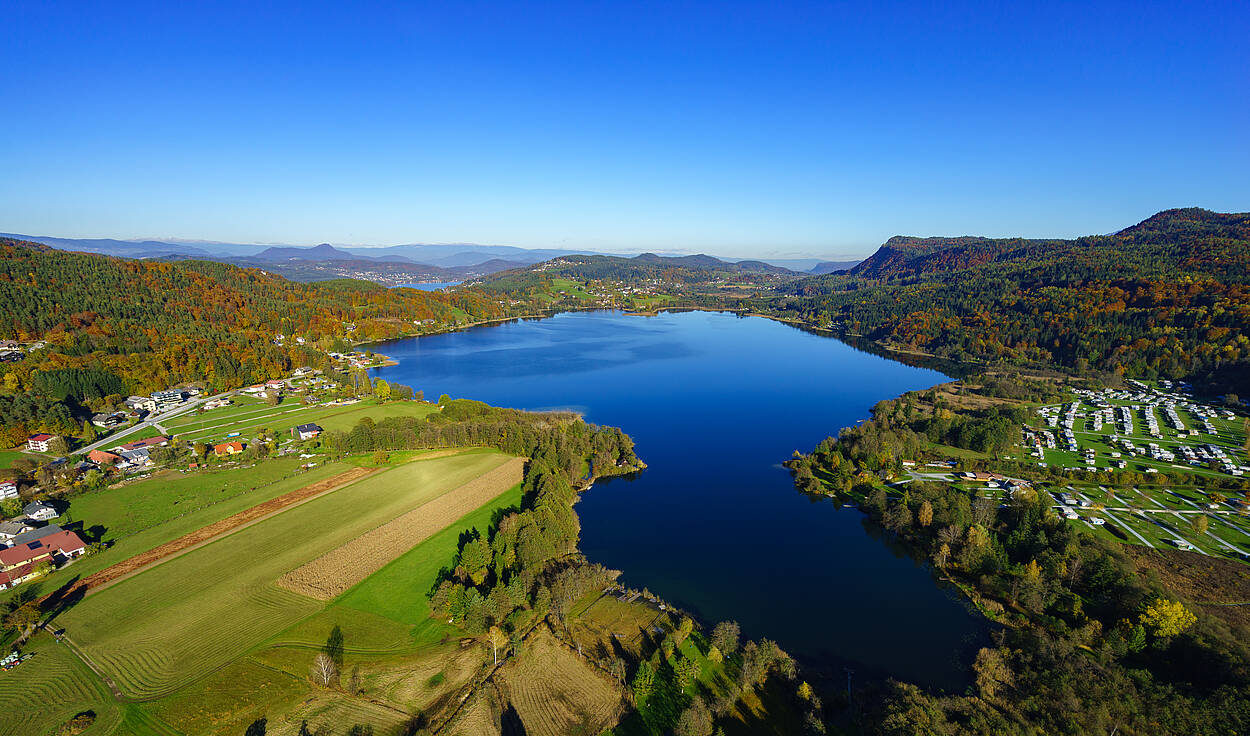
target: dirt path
<point>211,533</point>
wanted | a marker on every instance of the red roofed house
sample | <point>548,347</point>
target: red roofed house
<point>158,441</point>
<point>228,448</point>
<point>18,563</point>
<point>39,442</point>
<point>100,457</point>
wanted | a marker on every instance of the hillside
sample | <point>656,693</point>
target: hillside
<point>1167,297</point>
<point>144,325</point>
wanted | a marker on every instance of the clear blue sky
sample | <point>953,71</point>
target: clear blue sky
<point>738,129</point>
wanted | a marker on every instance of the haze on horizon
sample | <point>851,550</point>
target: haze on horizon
<point>752,130</point>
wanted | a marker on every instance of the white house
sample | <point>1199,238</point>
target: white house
<point>40,511</point>
<point>8,489</point>
<point>40,442</point>
<point>141,403</point>
<point>306,431</point>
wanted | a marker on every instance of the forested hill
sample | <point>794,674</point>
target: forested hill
<point>154,323</point>
<point>1189,239</point>
<point>1168,297</point>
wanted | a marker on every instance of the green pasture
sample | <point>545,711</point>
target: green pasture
<point>160,629</point>
<point>144,514</point>
<point>214,426</point>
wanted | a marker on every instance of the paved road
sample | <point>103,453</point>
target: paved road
<point>152,420</point>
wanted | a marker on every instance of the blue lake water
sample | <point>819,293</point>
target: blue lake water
<point>715,403</point>
<point>429,285</point>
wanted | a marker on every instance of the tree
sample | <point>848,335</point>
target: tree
<point>695,720</point>
<point>382,389</point>
<point>714,655</point>
<point>942,555</point>
<point>10,507</point>
<point>334,646</point>
<point>58,446</point>
<point>89,434</point>
<point>687,672</point>
<point>497,639</point>
<point>925,515</point>
<point>1200,523</point>
<point>683,630</point>
<point>381,456</point>
<point>805,690</point>
<point>24,616</point>
<point>992,672</point>
<point>725,636</point>
<point>1166,618</point>
<point>257,728</point>
<point>323,669</point>
<point>644,680</point>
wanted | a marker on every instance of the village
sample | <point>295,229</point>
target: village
<point>180,429</point>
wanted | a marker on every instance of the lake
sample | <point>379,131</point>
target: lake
<point>429,285</point>
<point>715,403</point>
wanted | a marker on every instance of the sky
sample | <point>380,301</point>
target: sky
<point>761,129</point>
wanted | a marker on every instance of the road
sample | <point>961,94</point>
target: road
<point>152,420</point>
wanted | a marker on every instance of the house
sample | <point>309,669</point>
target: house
<point>9,530</point>
<point>40,511</point>
<point>166,399</point>
<point>276,384</point>
<point>229,448</point>
<point>140,403</point>
<point>40,442</point>
<point>36,532</point>
<point>100,457</point>
<point>306,431</point>
<point>20,561</point>
<point>8,489</point>
<point>147,444</point>
<point>131,459</point>
<point>108,421</point>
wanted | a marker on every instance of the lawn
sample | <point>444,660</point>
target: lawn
<point>37,696</point>
<point>249,419</point>
<point>145,514</point>
<point>387,632</point>
<point>181,619</point>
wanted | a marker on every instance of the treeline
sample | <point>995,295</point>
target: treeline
<point>1167,298</point>
<point>579,450</point>
<point>902,429</point>
<point>1090,644</point>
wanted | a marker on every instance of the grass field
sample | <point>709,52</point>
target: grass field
<point>168,625</point>
<point>333,573</point>
<point>388,633</point>
<point>249,416</point>
<point>39,695</point>
<point>145,514</point>
<point>555,692</point>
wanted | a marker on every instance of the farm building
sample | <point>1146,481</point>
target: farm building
<point>40,442</point>
<point>229,448</point>
<point>305,431</point>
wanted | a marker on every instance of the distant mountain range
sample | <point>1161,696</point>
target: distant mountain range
<point>461,259</point>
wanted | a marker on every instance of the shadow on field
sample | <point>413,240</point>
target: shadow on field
<point>510,722</point>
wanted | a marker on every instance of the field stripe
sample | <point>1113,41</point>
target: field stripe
<point>341,568</point>
<point>174,548</point>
